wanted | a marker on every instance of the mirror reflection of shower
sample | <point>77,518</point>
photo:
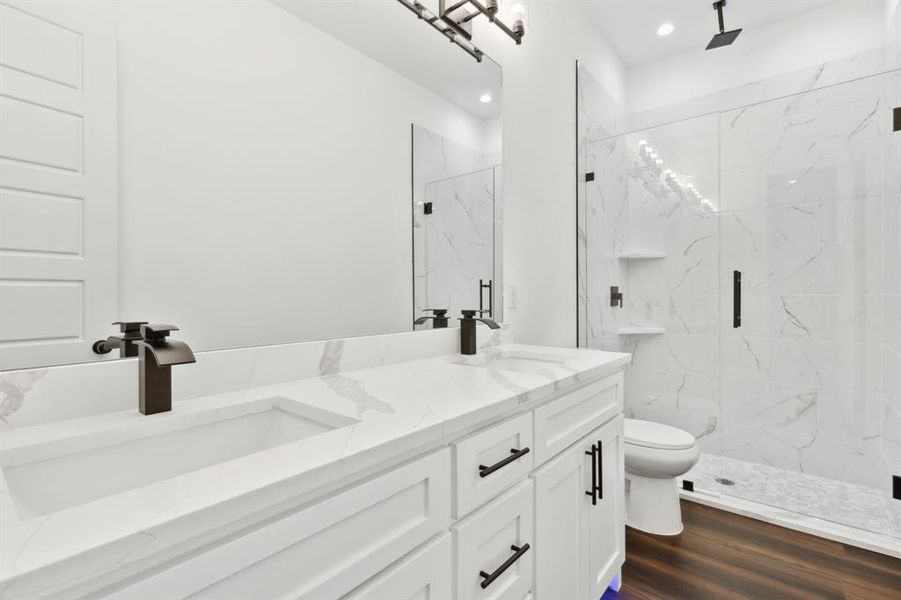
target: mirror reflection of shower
<point>455,218</point>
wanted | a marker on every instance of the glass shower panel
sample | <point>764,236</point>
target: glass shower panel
<point>651,222</point>
<point>459,240</point>
<point>802,211</point>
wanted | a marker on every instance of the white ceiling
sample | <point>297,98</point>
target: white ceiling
<point>630,26</point>
<point>389,33</point>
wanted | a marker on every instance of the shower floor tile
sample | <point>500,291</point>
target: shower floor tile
<point>836,501</point>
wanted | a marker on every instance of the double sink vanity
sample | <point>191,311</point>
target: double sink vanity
<point>498,475</point>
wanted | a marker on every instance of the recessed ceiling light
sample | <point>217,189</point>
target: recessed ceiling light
<point>665,29</point>
<point>485,98</point>
<point>792,181</point>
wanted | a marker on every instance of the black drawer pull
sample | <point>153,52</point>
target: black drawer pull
<point>594,475</point>
<point>518,551</point>
<point>514,455</point>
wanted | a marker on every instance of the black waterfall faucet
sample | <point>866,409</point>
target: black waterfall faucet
<point>157,356</point>
<point>468,330</point>
<point>438,317</point>
<point>131,333</point>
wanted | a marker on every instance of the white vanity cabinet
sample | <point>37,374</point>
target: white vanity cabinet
<point>530,506</point>
<point>321,551</point>
<point>580,517</point>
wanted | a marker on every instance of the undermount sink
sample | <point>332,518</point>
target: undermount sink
<point>514,360</point>
<point>52,476</point>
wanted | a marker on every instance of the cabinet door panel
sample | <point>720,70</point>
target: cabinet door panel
<point>321,551</point>
<point>485,540</point>
<point>560,519</point>
<point>425,575</point>
<point>607,524</point>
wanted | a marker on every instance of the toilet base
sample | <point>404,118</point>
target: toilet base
<point>652,505</point>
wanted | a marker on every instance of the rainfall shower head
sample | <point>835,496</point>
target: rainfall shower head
<point>723,38</point>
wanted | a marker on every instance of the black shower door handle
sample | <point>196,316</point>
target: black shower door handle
<point>736,299</point>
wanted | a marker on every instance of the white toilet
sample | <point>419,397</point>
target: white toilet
<point>655,455</point>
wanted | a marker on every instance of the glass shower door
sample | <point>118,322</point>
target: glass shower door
<point>650,220</point>
<point>808,217</point>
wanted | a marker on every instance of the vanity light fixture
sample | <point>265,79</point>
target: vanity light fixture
<point>454,20</point>
<point>665,29</point>
<point>485,98</point>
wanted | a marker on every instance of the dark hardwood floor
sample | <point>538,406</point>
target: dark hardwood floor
<point>723,555</point>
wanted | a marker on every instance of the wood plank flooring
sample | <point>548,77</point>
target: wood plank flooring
<point>726,556</point>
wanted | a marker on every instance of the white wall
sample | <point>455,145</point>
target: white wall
<point>540,162</point>
<point>835,31</point>
<point>264,175</point>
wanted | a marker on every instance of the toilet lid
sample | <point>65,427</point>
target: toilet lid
<point>656,435</point>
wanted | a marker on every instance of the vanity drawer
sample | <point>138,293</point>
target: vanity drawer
<point>497,540</point>
<point>427,573</point>
<point>323,551</point>
<point>564,421</point>
<point>491,461</point>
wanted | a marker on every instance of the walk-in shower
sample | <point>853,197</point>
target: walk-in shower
<point>754,235</point>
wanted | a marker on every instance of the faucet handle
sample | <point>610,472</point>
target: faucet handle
<point>157,331</point>
<point>129,326</point>
<point>469,314</point>
<point>438,312</point>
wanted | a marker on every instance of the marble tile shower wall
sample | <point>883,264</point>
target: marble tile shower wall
<point>660,245</point>
<point>597,113</point>
<point>795,182</point>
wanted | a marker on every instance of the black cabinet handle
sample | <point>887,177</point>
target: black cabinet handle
<point>518,551</point>
<point>594,475</point>
<point>600,485</point>
<point>515,454</point>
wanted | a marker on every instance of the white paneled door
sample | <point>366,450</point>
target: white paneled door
<point>58,218</point>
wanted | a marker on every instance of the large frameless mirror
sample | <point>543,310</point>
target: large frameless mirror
<point>240,169</point>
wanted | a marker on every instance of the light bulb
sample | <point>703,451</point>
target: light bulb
<point>485,98</point>
<point>517,19</point>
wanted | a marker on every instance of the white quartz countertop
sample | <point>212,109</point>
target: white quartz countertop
<point>397,409</point>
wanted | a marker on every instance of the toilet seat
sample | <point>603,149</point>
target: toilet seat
<point>656,435</point>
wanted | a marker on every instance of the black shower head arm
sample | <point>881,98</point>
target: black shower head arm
<point>719,13</point>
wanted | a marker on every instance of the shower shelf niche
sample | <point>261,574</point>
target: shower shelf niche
<point>641,255</point>
<point>641,331</point>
